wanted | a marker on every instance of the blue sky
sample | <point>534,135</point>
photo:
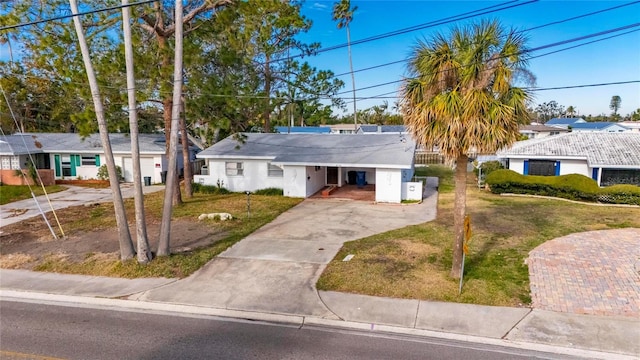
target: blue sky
<point>613,60</point>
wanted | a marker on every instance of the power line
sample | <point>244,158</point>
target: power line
<point>585,85</point>
<point>443,21</point>
<point>542,47</point>
<point>519,31</point>
<point>400,80</point>
<point>35,22</point>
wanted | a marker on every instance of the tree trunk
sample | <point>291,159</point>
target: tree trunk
<point>353,82</point>
<point>165,226</point>
<point>143,251</point>
<point>186,161</point>
<point>459,210</point>
<point>267,90</point>
<point>126,246</point>
<point>167,115</point>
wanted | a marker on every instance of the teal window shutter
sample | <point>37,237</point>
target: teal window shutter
<point>97,160</point>
<point>58,166</point>
<point>73,161</point>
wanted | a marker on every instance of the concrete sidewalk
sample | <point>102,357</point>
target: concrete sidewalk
<point>584,336</point>
<point>74,195</point>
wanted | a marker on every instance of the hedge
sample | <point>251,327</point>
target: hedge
<point>572,186</point>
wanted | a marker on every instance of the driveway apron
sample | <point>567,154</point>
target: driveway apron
<point>275,269</point>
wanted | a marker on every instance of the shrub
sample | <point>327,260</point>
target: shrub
<point>620,194</point>
<point>209,189</point>
<point>572,186</point>
<point>270,192</point>
<point>103,173</point>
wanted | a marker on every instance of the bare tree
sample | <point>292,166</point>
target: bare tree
<point>143,252</point>
<point>126,246</point>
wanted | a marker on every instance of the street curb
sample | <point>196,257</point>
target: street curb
<point>299,321</point>
<point>388,329</point>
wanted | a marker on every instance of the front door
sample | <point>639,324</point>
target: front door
<point>332,176</point>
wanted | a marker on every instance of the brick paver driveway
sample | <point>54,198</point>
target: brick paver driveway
<point>596,272</point>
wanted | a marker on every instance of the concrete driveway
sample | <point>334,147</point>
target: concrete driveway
<point>275,269</point>
<point>74,195</point>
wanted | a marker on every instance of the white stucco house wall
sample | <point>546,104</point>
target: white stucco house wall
<point>608,158</point>
<point>74,157</point>
<point>303,164</point>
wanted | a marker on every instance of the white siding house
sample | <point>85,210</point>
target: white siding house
<point>608,158</point>
<point>303,164</point>
<point>74,157</point>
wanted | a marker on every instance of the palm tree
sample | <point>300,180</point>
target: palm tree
<point>571,111</point>
<point>143,251</point>
<point>164,238</point>
<point>126,245</point>
<point>460,98</point>
<point>343,13</point>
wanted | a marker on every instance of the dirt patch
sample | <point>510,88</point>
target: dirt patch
<point>23,246</point>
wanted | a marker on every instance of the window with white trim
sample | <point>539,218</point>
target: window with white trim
<point>6,163</point>
<point>274,170</point>
<point>234,168</point>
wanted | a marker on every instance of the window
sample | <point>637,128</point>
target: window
<point>542,167</point>
<point>234,169</point>
<point>88,160</point>
<point>274,170</point>
<point>15,163</point>
<point>6,163</point>
<point>620,176</point>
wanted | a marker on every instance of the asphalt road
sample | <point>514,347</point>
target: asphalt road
<point>39,331</point>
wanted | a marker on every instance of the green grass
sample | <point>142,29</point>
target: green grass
<point>444,173</point>
<point>263,210</point>
<point>11,193</point>
<point>414,262</point>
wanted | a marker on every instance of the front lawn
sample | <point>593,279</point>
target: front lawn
<point>414,262</point>
<point>11,193</point>
<point>92,243</point>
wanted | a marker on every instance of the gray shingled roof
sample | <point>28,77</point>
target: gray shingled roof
<point>74,143</point>
<point>384,150</point>
<point>383,128</point>
<point>598,148</point>
<point>541,128</point>
<point>19,145</point>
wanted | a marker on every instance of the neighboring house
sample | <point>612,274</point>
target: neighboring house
<point>564,123</point>
<point>72,157</point>
<point>302,130</point>
<point>608,158</point>
<point>602,126</point>
<point>14,161</point>
<point>342,128</point>
<point>633,126</point>
<point>303,164</point>
<point>540,131</point>
<point>382,129</point>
